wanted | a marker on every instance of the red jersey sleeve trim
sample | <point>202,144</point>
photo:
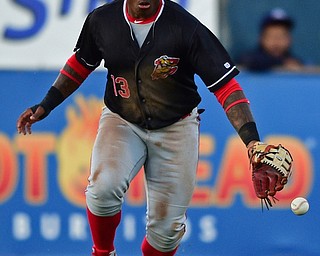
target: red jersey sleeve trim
<point>64,72</point>
<point>78,67</point>
<point>245,100</point>
<point>224,92</point>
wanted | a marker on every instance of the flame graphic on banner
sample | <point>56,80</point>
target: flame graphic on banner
<point>75,145</point>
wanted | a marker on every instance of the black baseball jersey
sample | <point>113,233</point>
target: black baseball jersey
<point>153,86</point>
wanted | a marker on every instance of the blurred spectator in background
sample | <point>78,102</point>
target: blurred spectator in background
<point>274,47</point>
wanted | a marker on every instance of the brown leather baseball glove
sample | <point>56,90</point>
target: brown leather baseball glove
<point>271,168</point>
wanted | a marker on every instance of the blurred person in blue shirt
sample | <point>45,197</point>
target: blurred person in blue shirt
<point>274,47</point>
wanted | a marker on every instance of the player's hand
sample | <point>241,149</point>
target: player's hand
<point>271,168</point>
<point>27,118</point>
<point>250,147</point>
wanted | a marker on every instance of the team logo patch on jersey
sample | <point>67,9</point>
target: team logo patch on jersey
<point>164,66</point>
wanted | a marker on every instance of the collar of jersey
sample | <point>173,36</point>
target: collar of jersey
<point>143,21</point>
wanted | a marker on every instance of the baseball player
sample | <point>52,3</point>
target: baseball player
<point>152,50</point>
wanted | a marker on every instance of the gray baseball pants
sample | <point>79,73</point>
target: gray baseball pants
<point>169,156</point>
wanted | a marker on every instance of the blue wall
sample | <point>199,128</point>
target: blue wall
<point>42,211</point>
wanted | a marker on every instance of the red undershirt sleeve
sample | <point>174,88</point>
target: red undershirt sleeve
<point>82,71</point>
<point>224,92</point>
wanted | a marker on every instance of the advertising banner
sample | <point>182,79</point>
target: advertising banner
<point>41,34</point>
<point>43,176</point>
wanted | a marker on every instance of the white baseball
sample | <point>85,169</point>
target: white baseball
<point>299,206</point>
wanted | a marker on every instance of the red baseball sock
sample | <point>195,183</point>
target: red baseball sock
<point>97,252</point>
<point>103,230</point>
<point>148,250</point>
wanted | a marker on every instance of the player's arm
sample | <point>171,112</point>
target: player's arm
<point>71,76</point>
<point>237,108</point>
<point>270,164</point>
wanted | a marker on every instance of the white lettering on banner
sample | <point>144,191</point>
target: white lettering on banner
<point>130,227</point>
<point>50,226</point>
<point>78,227</point>
<point>30,28</point>
<point>21,227</point>
<point>24,227</point>
<point>209,232</point>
